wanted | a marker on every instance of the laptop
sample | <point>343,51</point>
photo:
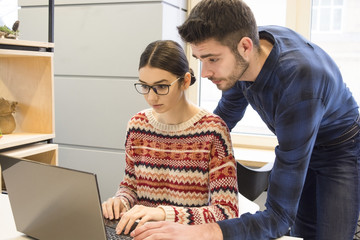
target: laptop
<point>52,202</point>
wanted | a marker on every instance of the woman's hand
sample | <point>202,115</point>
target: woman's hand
<point>112,208</point>
<point>139,212</point>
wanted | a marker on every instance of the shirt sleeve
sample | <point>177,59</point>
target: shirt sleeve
<point>232,105</point>
<point>296,129</point>
<point>223,197</point>
<point>127,188</point>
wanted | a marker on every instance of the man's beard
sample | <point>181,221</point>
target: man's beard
<point>241,66</point>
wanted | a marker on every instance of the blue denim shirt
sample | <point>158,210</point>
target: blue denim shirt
<point>300,95</point>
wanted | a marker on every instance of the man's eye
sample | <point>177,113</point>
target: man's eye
<point>213,59</point>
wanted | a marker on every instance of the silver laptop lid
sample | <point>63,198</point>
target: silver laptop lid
<point>52,202</point>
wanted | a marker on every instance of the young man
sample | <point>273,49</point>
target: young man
<point>298,91</point>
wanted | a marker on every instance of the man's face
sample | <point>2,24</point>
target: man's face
<point>219,63</point>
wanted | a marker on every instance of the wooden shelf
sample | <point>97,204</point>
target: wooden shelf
<point>18,139</point>
<point>22,53</point>
<point>26,45</point>
<point>17,42</point>
<point>36,152</point>
<point>26,76</point>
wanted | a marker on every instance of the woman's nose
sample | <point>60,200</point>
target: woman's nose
<point>152,94</point>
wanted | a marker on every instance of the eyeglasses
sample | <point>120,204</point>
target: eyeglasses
<point>159,89</point>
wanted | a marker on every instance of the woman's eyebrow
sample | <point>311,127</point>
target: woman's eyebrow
<point>157,82</point>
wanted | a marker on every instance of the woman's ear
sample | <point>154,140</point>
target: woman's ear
<point>187,80</point>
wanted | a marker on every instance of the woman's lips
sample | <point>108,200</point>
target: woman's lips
<point>156,105</point>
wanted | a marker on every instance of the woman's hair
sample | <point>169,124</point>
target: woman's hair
<point>167,55</point>
<point>226,21</point>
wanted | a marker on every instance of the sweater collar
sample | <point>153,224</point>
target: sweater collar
<point>176,127</point>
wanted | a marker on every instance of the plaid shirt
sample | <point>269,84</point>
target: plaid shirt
<point>300,95</point>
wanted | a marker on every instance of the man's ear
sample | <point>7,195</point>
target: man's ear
<point>245,47</point>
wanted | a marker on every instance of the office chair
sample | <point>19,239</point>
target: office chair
<point>253,181</point>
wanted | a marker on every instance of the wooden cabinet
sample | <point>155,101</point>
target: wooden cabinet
<point>26,76</point>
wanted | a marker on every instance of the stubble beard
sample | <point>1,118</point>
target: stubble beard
<point>240,68</point>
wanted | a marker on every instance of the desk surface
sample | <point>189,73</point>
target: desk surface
<point>8,228</point>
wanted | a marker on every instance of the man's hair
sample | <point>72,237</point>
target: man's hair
<point>226,21</point>
<point>167,55</point>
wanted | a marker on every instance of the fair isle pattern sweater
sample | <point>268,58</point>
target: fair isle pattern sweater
<point>188,169</point>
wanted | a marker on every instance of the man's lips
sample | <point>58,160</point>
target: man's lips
<point>216,81</point>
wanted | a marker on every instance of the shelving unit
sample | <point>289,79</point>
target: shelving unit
<point>26,76</point>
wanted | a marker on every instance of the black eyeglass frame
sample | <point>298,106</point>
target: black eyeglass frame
<point>154,87</point>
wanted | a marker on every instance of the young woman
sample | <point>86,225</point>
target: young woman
<point>179,160</point>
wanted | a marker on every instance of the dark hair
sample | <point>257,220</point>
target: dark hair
<point>227,21</point>
<point>167,55</point>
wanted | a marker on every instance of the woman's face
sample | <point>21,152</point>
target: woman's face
<point>153,77</point>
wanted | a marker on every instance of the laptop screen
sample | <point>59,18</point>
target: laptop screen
<point>51,202</point>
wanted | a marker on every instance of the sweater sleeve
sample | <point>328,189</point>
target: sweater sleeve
<point>223,198</point>
<point>127,188</point>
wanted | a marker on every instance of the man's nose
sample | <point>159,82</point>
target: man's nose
<point>205,71</point>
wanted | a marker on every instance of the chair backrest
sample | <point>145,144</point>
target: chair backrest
<point>253,181</point>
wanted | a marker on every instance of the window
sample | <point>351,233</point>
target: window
<point>336,28</point>
<point>327,15</point>
<point>8,12</point>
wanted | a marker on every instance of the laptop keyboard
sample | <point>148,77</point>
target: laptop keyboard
<point>111,234</point>
<point>110,226</point>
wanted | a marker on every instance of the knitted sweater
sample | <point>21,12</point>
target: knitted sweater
<point>187,169</point>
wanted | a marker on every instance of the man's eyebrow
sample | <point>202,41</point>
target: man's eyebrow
<point>207,55</point>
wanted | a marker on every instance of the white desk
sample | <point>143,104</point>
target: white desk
<point>8,229</point>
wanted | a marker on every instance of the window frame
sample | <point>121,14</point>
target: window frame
<point>332,7</point>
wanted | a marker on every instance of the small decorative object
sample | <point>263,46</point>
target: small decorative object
<point>7,120</point>
<point>13,33</point>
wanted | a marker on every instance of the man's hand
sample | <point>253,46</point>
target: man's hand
<point>176,231</point>
<point>139,212</point>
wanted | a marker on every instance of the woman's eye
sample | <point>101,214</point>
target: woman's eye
<point>145,87</point>
<point>161,87</point>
